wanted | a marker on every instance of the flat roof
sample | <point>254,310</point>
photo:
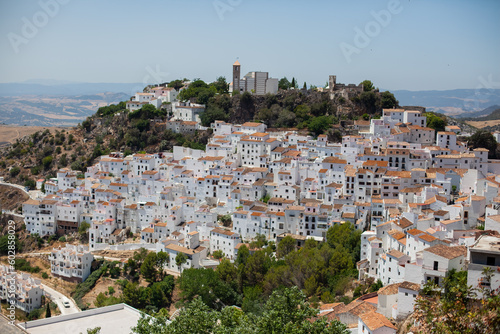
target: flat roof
<point>119,318</point>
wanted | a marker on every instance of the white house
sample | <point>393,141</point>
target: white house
<point>221,239</point>
<point>375,323</point>
<point>27,290</point>
<point>40,216</point>
<point>72,263</point>
<point>407,293</point>
<point>485,253</point>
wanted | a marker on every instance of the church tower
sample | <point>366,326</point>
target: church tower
<point>236,76</point>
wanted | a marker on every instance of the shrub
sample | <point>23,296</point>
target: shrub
<point>47,161</point>
<point>83,288</point>
<point>23,265</point>
<point>14,171</point>
<point>36,313</point>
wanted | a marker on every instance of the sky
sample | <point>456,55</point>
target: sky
<point>411,45</point>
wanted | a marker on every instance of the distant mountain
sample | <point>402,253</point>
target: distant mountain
<point>450,102</point>
<point>472,116</point>
<point>53,110</point>
<point>491,116</point>
<point>69,89</point>
<point>48,102</point>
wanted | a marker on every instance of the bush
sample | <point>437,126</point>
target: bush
<point>31,184</point>
<point>62,239</point>
<point>36,313</point>
<point>83,288</point>
<point>14,171</point>
<point>45,275</point>
<point>23,265</point>
<point>47,161</point>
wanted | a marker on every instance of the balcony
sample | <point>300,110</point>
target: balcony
<point>480,267</point>
<point>437,271</point>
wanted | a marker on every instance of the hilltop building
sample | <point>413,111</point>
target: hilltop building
<point>258,83</point>
<point>343,90</point>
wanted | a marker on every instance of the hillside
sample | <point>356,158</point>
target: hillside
<point>113,128</point>
<point>492,116</point>
<point>482,113</point>
<point>11,197</point>
<point>490,122</point>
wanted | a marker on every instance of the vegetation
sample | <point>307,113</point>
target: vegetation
<point>367,85</point>
<point>484,139</point>
<point>286,311</point>
<point>24,265</point>
<point>83,288</point>
<point>109,111</point>
<point>152,267</point>
<point>435,122</point>
<point>322,271</point>
<point>459,308</point>
<point>151,298</point>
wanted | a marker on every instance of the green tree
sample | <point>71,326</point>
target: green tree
<point>151,325</point>
<point>285,246</point>
<point>243,255</point>
<point>162,260</point>
<point>370,101</point>
<point>212,114</point>
<point>284,83</point>
<point>293,84</point>
<point>30,183</point>
<point>388,100</point>
<point>334,136</point>
<point>367,85</point>
<point>196,317</point>
<point>176,84</point>
<point>135,295</point>
<point>484,139</point>
<point>4,244</point>
<point>221,85</point>
<point>319,124</point>
<point>218,254</point>
<point>180,259</point>
<point>206,284</point>
<point>83,228</point>
<point>47,311</point>
<point>435,122</point>
<point>287,312</point>
<point>256,268</point>
<point>148,268</point>
<point>227,271</point>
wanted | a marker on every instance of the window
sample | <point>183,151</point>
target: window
<point>435,265</point>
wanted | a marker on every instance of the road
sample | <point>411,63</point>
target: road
<point>32,193</point>
<point>57,297</point>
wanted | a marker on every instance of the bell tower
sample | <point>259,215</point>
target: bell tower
<point>236,76</point>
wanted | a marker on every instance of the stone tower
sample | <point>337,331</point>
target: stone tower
<point>331,82</point>
<point>236,76</point>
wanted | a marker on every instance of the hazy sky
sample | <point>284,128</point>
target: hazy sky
<point>415,45</point>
